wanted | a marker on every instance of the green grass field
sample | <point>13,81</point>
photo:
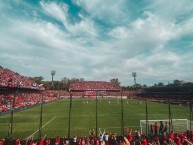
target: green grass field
<point>55,117</point>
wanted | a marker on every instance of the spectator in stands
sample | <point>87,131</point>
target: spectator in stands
<point>101,135</point>
<point>75,140</point>
<point>161,127</point>
<point>92,136</point>
<point>57,141</point>
<point>47,141</point>
<point>129,135</point>
<point>151,128</point>
<point>42,140</point>
<point>2,142</point>
<point>156,128</point>
<point>165,128</point>
<point>17,142</point>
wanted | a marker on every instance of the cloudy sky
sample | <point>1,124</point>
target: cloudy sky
<point>98,39</point>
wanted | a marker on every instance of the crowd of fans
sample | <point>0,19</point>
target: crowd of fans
<point>9,78</point>
<point>94,85</point>
<point>158,136</point>
<point>25,100</point>
<point>30,99</point>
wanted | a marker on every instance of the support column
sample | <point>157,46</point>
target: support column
<point>40,125</point>
<point>69,115</point>
<point>96,114</point>
<point>10,132</point>
<point>122,114</point>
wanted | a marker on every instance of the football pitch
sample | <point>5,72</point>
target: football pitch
<point>83,117</point>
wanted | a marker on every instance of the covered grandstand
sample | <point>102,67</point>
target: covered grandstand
<point>92,88</point>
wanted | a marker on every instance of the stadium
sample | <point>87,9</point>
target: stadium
<point>91,112</point>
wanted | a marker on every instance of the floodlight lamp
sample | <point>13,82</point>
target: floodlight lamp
<point>53,72</point>
<point>134,74</point>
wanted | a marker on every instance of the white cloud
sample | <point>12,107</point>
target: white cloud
<point>87,49</point>
<point>109,11</point>
<point>57,11</point>
<point>60,12</point>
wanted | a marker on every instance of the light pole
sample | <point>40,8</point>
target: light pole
<point>134,74</point>
<point>53,72</point>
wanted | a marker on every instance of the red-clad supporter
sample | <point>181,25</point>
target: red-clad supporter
<point>97,141</point>
<point>47,141</point>
<point>121,142</point>
<point>92,136</point>
<point>17,142</point>
<point>111,138</point>
<point>64,141</point>
<point>171,135</point>
<point>79,142</point>
<point>129,137</point>
<point>42,140</point>
<point>87,141</point>
<point>83,140</point>
<point>2,142</point>
<point>129,134</point>
<point>178,140</point>
<point>57,141</point>
<point>144,141</point>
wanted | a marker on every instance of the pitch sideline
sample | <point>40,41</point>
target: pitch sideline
<point>42,126</point>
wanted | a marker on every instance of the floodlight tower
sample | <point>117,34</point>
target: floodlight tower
<point>53,72</point>
<point>134,74</point>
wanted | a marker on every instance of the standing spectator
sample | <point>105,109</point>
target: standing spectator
<point>106,138</point>
<point>101,135</point>
<point>2,142</point>
<point>165,128</point>
<point>57,141</point>
<point>92,136</point>
<point>129,137</point>
<point>75,140</point>
<point>156,128</point>
<point>17,142</point>
<point>151,128</point>
<point>161,127</point>
<point>42,140</point>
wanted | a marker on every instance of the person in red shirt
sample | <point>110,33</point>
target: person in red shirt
<point>92,136</point>
<point>57,141</point>
<point>129,137</point>
<point>83,140</point>
<point>47,141</point>
<point>178,140</point>
<point>79,141</point>
<point>97,141</point>
<point>17,142</point>
<point>87,141</point>
<point>42,140</point>
<point>2,142</point>
<point>171,136</point>
<point>144,141</point>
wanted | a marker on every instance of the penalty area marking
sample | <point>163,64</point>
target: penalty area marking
<point>42,126</point>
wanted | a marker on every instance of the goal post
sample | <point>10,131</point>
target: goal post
<point>178,124</point>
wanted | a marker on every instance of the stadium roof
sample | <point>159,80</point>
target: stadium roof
<point>10,90</point>
<point>94,86</point>
<point>167,91</point>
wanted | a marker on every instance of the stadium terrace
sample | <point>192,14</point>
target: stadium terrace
<point>94,86</point>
